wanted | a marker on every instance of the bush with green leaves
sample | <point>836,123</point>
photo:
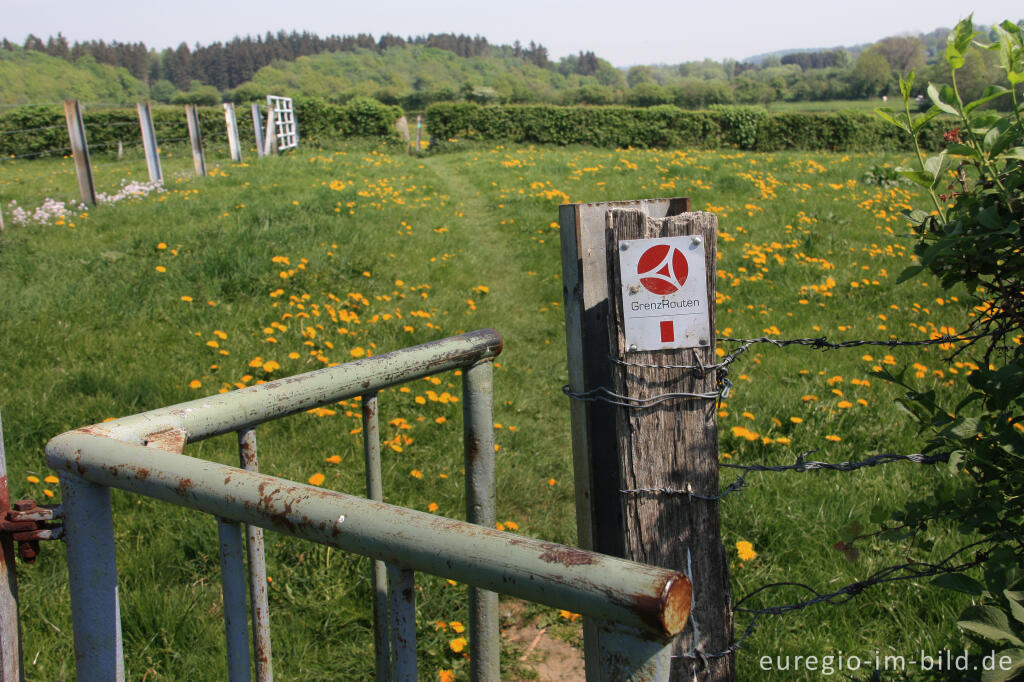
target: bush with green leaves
<point>972,239</point>
<point>41,130</point>
<point>744,127</point>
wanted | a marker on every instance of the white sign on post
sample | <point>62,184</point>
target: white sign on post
<point>664,293</point>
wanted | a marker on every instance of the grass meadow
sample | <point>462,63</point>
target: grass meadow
<point>283,265</point>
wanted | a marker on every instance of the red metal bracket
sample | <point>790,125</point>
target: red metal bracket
<point>27,524</point>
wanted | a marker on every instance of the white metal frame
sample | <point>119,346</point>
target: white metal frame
<point>285,127</point>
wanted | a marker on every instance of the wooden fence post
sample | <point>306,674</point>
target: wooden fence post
<point>232,124</point>
<point>257,126</point>
<point>629,458</point>
<point>10,626</point>
<point>80,150</point>
<point>195,137</point>
<point>149,144</point>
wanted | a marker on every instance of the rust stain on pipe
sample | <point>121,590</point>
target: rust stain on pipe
<point>567,556</point>
<point>670,610</point>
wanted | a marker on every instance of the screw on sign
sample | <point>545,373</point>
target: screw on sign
<point>663,270</point>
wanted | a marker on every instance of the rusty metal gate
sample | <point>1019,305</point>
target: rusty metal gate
<point>637,608</point>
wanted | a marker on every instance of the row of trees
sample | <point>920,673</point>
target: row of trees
<point>401,71</point>
<point>228,65</point>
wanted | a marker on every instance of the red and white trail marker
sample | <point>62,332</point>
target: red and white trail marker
<point>664,293</point>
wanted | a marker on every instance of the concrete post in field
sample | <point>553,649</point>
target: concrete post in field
<point>270,143</point>
<point>402,128</point>
<point>257,126</point>
<point>419,132</point>
<point>80,150</point>
<point>639,285</point>
<point>149,144</point>
<point>234,143</point>
<point>195,137</point>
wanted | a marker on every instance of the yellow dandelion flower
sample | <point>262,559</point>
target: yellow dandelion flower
<point>317,479</point>
<point>416,473</point>
<point>745,551</point>
<point>833,437</point>
<point>32,479</point>
<point>195,383</point>
<point>458,644</point>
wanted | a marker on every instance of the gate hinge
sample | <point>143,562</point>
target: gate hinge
<point>26,522</point>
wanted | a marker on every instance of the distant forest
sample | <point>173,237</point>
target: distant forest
<point>415,71</point>
<point>228,65</point>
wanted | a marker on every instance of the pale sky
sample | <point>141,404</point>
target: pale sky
<point>624,33</point>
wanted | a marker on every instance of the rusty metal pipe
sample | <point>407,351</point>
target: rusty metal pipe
<point>92,579</point>
<point>478,437</point>
<point>402,606</point>
<point>232,581</point>
<point>239,410</point>
<point>258,600</point>
<point>653,599</point>
<point>375,491</point>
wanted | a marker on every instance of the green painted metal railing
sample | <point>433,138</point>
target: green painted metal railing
<point>638,608</point>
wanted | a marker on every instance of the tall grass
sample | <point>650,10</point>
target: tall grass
<point>192,291</point>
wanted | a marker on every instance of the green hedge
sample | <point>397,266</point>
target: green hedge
<point>44,131</point>
<point>750,128</point>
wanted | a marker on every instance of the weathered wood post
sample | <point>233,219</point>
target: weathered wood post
<point>10,626</point>
<point>195,138</point>
<point>639,282</point>
<point>257,126</point>
<point>234,144</point>
<point>80,150</point>
<point>149,144</point>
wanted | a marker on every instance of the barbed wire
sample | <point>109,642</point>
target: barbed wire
<point>909,570</point>
<point>606,395</point>
<point>874,460</point>
<point>29,130</point>
<point>801,465</point>
<point>822,343</point>
<point>60,150</point>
